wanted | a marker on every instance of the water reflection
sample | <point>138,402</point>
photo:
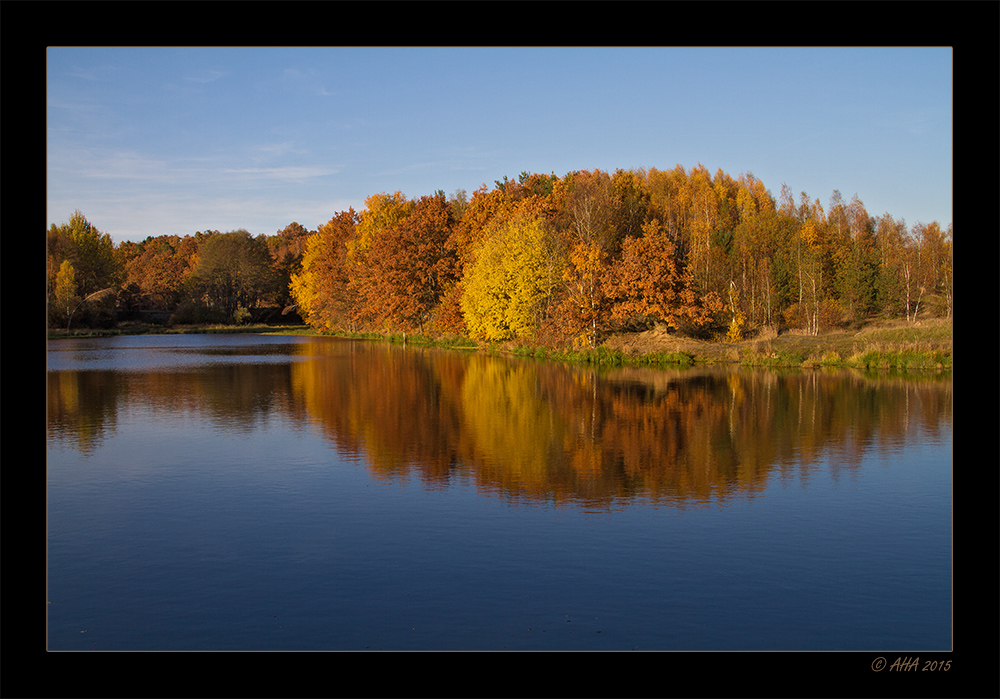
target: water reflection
<point>525,429</point>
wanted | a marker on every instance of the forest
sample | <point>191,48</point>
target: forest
<point>541,260</point>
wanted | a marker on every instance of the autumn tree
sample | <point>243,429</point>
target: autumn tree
<point>890,241</point>
<point>477,215</point>
<point>914,287</point>
<point>529,197</point>
<point>583,311</point>
<point>382,212</point>
<point>510,283</point>
<point>458,201</point>
<point>649,283</point>
<point>233,274</point>
<point>93,256</point>
<point>321,288</point>
<point>670,196</point>
<point>630,203</point>
<point>705,260</point>
<point>58,249</point>
<point>934,263</point>
<point>811,253</point>
<point>947,274</point>
<point>857,268</point>
<point>95,265</point>
<point>64,297</point>
<point>156,269</point>
<point>585,203</point>
<point>287,247</point>
<point>409,266</point>
<point>753,244</point>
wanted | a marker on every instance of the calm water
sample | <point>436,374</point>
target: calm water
<point>270,493</point>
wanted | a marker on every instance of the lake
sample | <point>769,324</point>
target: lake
<point>252,492</point>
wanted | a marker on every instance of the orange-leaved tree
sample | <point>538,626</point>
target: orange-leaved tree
<point>649,283</point>
<point>381,213</point>
<point>410,265</point>
<point>158,268</point>
<point>321,287</point>
<point>582,313</point>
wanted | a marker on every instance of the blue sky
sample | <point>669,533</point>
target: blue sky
<point>157,141</point>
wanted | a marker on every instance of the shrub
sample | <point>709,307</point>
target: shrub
<point>831,315</point>
<point>241,316</point>
<point>735,333</point>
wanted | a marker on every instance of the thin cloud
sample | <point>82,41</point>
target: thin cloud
<point>133,166</point>
<point>206,76</point>
<point>285,173</point>
<point>98,164</point>
<point>309,81</point>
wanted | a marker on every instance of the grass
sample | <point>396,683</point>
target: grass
<point>871,355</point>
<point>604,356</point>
<point>932,331</point>
<point>888,344</point>
<point>882,345</point>
<point>773,359</point>
<point>883,356</point>
<point>829,358</point>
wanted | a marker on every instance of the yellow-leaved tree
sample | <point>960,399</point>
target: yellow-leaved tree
<point>65,298</point>
<point>510,281</point>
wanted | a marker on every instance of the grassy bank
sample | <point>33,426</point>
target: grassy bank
<point>606,357</point>
<point>883,344</point>
<point>872,357</point>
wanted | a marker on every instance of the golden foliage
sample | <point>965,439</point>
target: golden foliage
<point>572,258</point>
<point>510,280</point>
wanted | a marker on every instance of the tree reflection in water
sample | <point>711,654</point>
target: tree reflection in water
<point>533,430</point>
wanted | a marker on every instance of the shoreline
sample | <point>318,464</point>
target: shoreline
<point>881,345</point>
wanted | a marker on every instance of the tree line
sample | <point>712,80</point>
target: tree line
<point>540,259</point>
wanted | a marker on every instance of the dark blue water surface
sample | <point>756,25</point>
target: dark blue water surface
<point>240,492</point>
